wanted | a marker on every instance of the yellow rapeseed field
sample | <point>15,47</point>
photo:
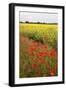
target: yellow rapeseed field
<point>45,33</point>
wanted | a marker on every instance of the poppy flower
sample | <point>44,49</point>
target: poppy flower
<point>51,74</point>
<point>54,69</point>
<point>31,48</point>
<point>45,47</point>
<point>34,65</point>
<point>40,57</point>
<point>36,60</point>
<point>44,54</point>
<point>41,63</point>
<point>38,52</point>
<point>52,53</point>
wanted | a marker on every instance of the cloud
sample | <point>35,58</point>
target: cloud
<point>39,17</point>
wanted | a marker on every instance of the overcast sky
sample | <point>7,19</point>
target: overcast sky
<point>39,17</point>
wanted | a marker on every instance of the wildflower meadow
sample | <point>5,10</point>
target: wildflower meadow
<point>38,51</point>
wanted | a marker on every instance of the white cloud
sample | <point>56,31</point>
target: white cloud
<point>39,17</point>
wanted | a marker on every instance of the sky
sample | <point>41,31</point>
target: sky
<point>45,17</point>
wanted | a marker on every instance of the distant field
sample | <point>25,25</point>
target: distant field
<point>38,50</point>
<point>45,33</point>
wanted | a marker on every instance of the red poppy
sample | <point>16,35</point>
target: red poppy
<point>41,63</point>
<point>31,51</point>
<point>40,57</point>
<point>54,69</point>
<point>32,48</point>
<point>52,53</point>
<point>51,74</point>
<point>34,65</point>
<point>36,60</point>
<point>45,47</point>
<point>38,52</point>
<point>44,54</point>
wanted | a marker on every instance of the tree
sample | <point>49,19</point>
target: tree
<point>26,21</point>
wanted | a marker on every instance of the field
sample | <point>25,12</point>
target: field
<point>38,50</point>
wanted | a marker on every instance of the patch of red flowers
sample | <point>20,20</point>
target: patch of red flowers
<point>52,53</point>
<point>41,53</point>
